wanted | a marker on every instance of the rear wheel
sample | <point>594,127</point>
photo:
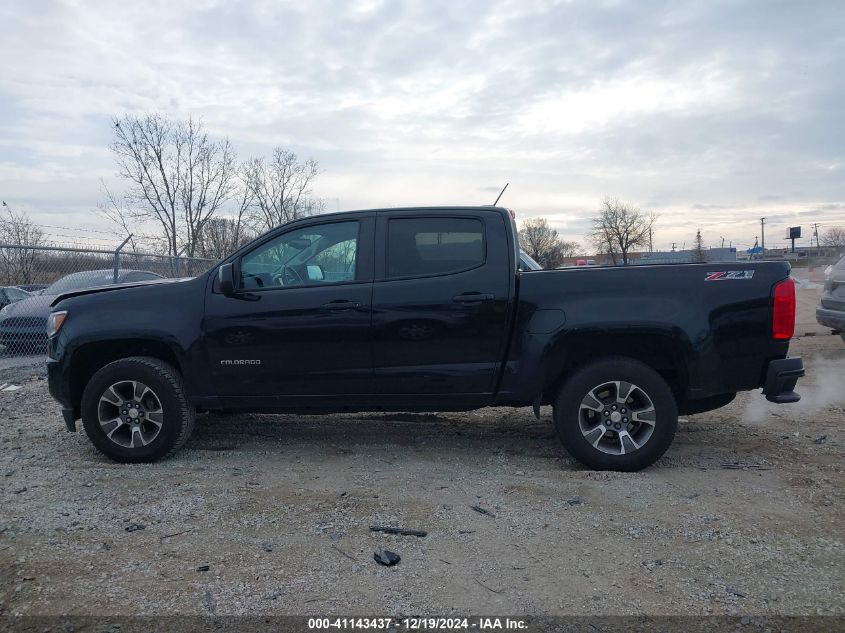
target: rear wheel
<point>135,410</point>
<point>616,414</point>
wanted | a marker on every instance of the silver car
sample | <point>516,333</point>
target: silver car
<point>831,310</point>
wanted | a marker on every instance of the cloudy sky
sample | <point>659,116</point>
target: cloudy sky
<point>709,113</point>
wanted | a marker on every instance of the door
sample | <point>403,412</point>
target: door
<point>440,303</point>
<point>300,321</point>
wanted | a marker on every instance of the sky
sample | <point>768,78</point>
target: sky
<point>710,114</point>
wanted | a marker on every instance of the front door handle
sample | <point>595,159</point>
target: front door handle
<point>473,297</point>
<point>341,304</point>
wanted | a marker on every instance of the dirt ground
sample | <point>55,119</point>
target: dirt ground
<point>744,515</point>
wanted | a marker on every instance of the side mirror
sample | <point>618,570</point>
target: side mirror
<point>226,279</point>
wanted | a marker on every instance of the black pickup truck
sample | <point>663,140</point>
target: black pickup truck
<point>421,309</point>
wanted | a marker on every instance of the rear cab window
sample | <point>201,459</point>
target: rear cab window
<point>418,247</point>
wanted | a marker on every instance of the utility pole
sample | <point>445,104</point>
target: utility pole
<point>723,241</point>
<point>763,235</point>
<point>673,247</point>
<point>650,243</point>
<point>816,234</point>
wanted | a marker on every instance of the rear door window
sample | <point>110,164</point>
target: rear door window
<point>433,246</point>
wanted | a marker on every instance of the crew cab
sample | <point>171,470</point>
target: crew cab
<point>422,309</point>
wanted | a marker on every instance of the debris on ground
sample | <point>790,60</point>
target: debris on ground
<point>134,527</point>
<point>203,568</point>
<point>577,500</point>
<point>483,511</point>
<point>488,588</point>
<point>386,557</point>
<point>399,531</point>
<point>209,603</point>
<point>738,466</point>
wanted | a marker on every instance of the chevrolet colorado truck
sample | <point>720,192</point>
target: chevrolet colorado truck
<point>421,309</point>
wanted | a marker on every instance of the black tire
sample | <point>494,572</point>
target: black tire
<point>568,415</point>
<point>166,383</point>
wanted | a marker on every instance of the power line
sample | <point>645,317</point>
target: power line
<point>75,228</point>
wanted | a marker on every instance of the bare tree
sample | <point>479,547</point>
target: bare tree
<point>699,253</point>
<point>620,228</point>
<point>18,264</point>
<point>221,237</point>
<point>280,188</point>
<point>569,248</point>
<point>543,243</point>
<point>178,177</point>
<point>834,237</point>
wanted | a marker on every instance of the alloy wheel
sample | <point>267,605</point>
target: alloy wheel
<point>130,414</point>
<point>617,417</point>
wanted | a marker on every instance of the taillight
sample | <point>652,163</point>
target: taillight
<point>783,310</point>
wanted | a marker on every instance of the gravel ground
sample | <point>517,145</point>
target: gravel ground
<point>742,516</point>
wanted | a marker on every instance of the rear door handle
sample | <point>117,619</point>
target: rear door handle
<point>341,304</point>
<point>473,297</point>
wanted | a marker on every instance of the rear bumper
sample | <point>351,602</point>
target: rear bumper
<point>781,376</point>
<point>834,319</point>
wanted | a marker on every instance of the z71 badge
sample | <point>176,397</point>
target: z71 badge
<point>723,275</point>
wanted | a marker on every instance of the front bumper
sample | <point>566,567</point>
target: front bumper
<point>781,376</point>
<point>57,384</point>
<point>834,319</point>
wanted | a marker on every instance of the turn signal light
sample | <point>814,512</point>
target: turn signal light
<point>55,322</point>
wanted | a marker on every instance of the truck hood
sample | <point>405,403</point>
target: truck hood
<point>99,289</point>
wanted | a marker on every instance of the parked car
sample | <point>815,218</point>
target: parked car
<point>831,310</point>
<point>23,324</point>
<point>32,288</point>
<point>11,294</point>
<point>422,310</point>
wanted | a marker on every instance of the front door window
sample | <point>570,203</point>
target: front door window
<point>315,255</point>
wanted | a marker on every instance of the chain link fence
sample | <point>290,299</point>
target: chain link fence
<point>32,276</point>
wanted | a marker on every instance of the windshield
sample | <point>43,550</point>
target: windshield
<point>79,281</point>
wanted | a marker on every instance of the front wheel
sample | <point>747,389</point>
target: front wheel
<point>135,410</point>
<point>616,414</point>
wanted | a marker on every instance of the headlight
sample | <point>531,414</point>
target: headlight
<point>828,273</point>
<point>55,322</point>
<point>5,310</point>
